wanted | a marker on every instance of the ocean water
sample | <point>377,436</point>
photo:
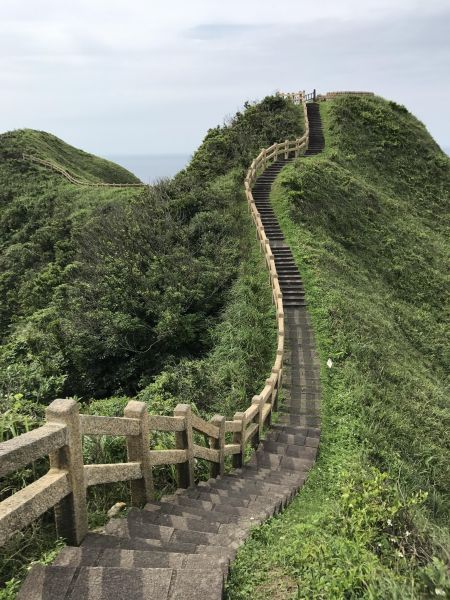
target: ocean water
<point>151,167</point>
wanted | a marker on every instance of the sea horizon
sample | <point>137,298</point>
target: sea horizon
<point>151,167</point>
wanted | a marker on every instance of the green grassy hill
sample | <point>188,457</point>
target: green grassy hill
<point>368,225</point>
<point>78,163</point>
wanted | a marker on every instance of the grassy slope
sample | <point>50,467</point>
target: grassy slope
<point>40,211</point>
<point>367,225</point>
<point>41,216</point>
<point>81,164</point>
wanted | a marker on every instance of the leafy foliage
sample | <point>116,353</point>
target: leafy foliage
<point>238,142</point>
<point>105,287</point>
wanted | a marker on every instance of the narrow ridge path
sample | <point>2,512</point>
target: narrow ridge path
<point>180,547</point>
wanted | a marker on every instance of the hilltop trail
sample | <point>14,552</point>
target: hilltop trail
<point>181,546</point>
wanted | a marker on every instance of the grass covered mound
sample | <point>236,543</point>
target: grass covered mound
<point>78,163</point>
<point>367,222</point>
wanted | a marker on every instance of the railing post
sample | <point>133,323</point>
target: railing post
<point>218,444</point>
<point>286,151</point>
<point>71,513</point>
<point>183,441</point>
<point>269,416</point>
<point>138,450</point>
<point>275,390</point>
<point>257,437</point>
<point>280,373</point>
<point>238,438</point>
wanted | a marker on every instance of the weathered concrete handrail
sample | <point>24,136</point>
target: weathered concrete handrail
<point>61,438</point>
<point>98,425</point>
<point>331,95</point>
<point>28,447</point>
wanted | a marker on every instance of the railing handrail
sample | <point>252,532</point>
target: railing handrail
<point>61,436</point>
<point>73,179</point>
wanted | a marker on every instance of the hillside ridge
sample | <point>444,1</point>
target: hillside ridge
<point>76,165</point>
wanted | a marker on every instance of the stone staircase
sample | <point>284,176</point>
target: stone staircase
<point>316,139</point>
<point>181,547</point>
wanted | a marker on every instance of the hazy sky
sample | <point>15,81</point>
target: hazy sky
<point>134,76</point>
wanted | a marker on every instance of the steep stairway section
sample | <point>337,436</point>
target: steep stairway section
<point>316,139</point>
<point>180,547</point>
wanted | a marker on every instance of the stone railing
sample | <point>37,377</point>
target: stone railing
<point>61,438</point>
<point>72,179</point>
<point>64,486</point>
<point>331,95</point>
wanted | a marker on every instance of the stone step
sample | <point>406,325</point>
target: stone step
<point>95,540</point>
<point>313,421</point>
<point>255,472</point>
<point>299,407</point>
<point>296,430</point>
<point>177,521</point>
<point>191,511</point>
<point>106,583</point>
<point>231,479</point>
<point>286,266</point>
<point>133,527</point>
<point>307,453</point>
<point>257,475</point>
<point>252,513</point>
<point>294,304</point>
<point>117,557</point>
<point>262,490</point>
<point>281,481</point>
<point>298,403</point>
<point>231,499</point>
<point>288,278</point>
<point>286,438</point>
<point>293,439</point>
<point>278,461</point>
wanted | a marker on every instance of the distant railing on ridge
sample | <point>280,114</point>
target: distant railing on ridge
<point>331,95</point>
<point>64,486</point>
<point>72,179</point>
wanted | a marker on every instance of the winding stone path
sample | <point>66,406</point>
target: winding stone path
<point>180,547</point>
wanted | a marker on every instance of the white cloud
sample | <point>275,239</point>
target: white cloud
<point>138,76</point>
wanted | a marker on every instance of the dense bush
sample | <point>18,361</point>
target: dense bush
<point>104,287</point>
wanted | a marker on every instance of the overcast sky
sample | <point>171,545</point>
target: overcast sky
<point>151,76</point>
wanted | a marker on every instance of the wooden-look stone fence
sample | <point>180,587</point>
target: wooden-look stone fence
<point>331,95</point>
<point>72,179</point>
<point>64,486</point>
